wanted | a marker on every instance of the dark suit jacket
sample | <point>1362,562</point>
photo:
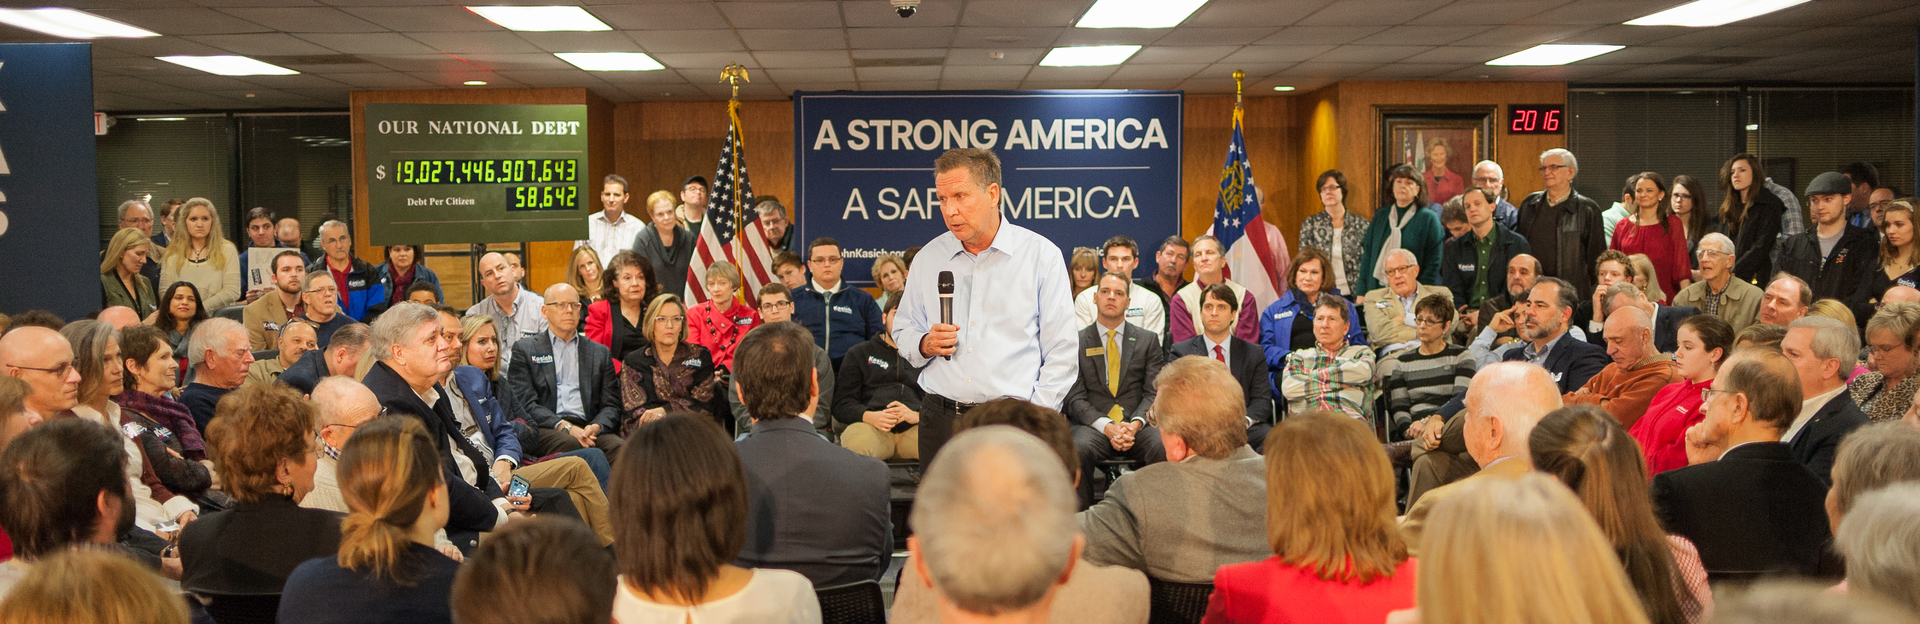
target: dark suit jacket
<point>1666,328</point>
<point>1571,362</point>
<point>1756,510</point>
<point>537,389</point>
<point>1141,359</point>
<point>1819,439</point>
<point>813,507</point>
<point>471,509</point>
<point>1249,365</point>
<point>305,372</point>
<point>251,548</point>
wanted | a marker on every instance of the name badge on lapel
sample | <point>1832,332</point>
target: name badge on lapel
<point>1556,377</point>
<point>743,321</point>
<point>1468,267</point>
<point>270,326</point>
<point>356,283</point>
<point>843,309</point>
<point>1282,315</point>
<point>692,363</point>
<point>878,362</point>
<point>543,359</point>
<point>1380,304</point>
<point>1096,351</point>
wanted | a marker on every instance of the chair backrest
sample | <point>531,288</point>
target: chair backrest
<point>241,608</point>
<point>269,354</point>
<point>237,313</point>
<point>853,603</point>
<point>1177,603</point>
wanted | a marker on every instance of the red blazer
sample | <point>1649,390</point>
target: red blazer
<point>1662,433</point>
<point>719,331</point>
<point>1271,591</point>
<point>600,324</point>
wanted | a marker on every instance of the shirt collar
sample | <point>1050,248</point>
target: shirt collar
<point>829,292</point>
<point>602,216</point>
<point>1225,348</point>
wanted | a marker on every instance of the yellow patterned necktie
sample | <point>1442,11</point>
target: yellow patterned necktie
<point>1113,378</point>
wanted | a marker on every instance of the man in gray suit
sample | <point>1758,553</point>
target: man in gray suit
<point>564,384</point>
<point>1111,394</point>
<point>812,506</point>
<point>1206,506</point>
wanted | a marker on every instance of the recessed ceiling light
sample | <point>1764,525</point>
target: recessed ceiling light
<point>540,18</point>
<point>1138,13</point>
<point>475,83</point>
<point>1089,56</point>
<point>1703,13</point>
<point>1554,54</point>
<point>1283,88</point>
<point>70,23</point>
<point>229,65</point>
<point>611,61</point>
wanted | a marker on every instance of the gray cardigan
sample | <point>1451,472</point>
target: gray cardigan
<point>1180,521</point>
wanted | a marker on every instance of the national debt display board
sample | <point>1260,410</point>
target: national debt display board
<point>1076,166</point>
<point>476,173</point>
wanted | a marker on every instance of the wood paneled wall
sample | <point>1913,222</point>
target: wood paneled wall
<point>658,144</point>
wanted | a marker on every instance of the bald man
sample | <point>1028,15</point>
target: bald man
<point>44,359</point>
<point>1504,402</point>
<point>565,384</point>
<point>516,311</point>
<point>1900,294</point>
<point>344,405</point>
<point>1639,371</point>
<point>120,317</point>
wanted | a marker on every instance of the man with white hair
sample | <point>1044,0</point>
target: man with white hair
<point>1786,299</point>
<point>1206,506</point>
<point>343,405</point>
<point>219,355</point>
<point>1717,292</point>
<point>1488,175</point>
<point>1562,225</point>
<point>359,285</point>
<point>1625,387</point>
<point>1504,402</point>
<point>775,225</point>
<point>1389,310</point>
<point>994,535</point>
<point>1822,349</point>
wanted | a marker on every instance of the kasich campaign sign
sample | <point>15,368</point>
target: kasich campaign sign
<point>1076,166</point>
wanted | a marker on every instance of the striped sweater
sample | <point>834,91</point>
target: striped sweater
<point>1416,384</point>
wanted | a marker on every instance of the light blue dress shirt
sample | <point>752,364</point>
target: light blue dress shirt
<point>1012,303</point>
<point>566,377</point>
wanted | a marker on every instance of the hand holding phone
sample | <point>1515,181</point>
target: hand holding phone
<point>519,487</point>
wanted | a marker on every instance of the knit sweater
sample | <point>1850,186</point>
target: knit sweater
<point>1624,391</point>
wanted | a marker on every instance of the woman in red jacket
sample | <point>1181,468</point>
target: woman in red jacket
<point>628,286</point>
<point>1705,341</point>
<point>1337,552</point>
<point>721,321</point>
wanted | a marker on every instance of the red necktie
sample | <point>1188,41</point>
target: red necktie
<point>1219,354</point>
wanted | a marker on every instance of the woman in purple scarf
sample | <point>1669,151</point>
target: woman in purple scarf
<point>151,371</point>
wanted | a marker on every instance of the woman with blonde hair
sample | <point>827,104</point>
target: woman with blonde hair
<point>121,283</point>
<point>1084,268</point>
<point>1518,551</point>
<point>1337,552</point>
<point>890,276</point>
<point>1648,278</point>
<point>387,569</point>
<point>1885,393</point>
<point>586,276</point>
<point>1586,448</point>
<point>202,256</point>
<point>1899,258</point>
<point>91,586</point>
<point>668,374</point>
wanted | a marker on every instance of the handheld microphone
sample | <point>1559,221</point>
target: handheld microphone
<point>946,302</point>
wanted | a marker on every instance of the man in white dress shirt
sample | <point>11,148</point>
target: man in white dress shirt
<point>612,229</point>
<point>1120,254</point>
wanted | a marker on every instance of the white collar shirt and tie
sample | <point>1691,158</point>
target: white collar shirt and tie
<point>1110,348</point>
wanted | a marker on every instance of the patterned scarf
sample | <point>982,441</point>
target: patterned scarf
<point>169,413</point>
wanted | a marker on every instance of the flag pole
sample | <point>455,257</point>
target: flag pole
<point>734,74</point>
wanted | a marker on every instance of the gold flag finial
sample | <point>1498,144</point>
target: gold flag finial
<point>734,74</point>
<point>1238,75</point>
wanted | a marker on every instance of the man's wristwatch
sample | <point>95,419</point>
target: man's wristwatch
<point>565,426</point>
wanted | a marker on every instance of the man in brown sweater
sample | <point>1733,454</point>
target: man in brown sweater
<point>1625,387</point>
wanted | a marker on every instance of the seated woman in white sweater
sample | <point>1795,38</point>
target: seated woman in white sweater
<point>201,255</point>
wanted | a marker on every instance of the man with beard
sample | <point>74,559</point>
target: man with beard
<point>60,485</point>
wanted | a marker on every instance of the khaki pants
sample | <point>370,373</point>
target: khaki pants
<point>862,438</point>
<point>572,475</point>
<point>1445,464</point>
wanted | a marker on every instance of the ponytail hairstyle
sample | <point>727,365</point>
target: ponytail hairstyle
<point>386,472</point>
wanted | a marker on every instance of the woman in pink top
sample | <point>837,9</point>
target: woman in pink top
<point>1338,555</point>
<point>1653,231</point>
<point>1704,342</point>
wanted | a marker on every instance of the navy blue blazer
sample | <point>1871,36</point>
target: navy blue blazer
<point>495,427</point>
<point>1819,440</point>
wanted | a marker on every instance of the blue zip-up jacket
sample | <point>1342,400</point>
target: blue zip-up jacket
<point>1276,330</point>
<point>489,412</point>
<point>364,289</point>
<point>855,317</point>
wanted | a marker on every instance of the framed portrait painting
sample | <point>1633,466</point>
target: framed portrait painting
<point>1441,144</point>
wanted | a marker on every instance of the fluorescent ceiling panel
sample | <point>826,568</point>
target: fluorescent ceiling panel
<point>1138,13</point>
<point>1089,56</point>
<point>541,18</point>
<point>611,61</point>
<point>70,24</point>
<point>1554,54</point>
<point>229,65</point>
<point>1702,13</point>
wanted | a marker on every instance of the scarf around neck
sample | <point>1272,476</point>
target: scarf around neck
<point>168,412</point>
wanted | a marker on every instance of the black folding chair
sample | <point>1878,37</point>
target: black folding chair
<point>853,603</point>
<point>1177,603</point>
<point>241,608</point>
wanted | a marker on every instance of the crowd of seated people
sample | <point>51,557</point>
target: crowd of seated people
<point>1668,400</point>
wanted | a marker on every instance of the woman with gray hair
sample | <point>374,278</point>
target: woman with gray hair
<point>1887,392</point>
<point>96,355</point>
<point>1881,542</point>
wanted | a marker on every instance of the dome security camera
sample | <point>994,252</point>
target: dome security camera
<point>905,8</point>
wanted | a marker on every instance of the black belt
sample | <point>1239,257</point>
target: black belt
<point>951,405</point>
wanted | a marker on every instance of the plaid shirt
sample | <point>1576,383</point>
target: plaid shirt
<point>1317,380</point>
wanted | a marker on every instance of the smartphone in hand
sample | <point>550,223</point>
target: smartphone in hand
<point>519,487</point>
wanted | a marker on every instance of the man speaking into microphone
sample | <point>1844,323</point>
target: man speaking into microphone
<point>1013,330</point>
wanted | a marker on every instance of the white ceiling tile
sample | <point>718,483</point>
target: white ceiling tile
<point>368,43</point>
<point>1214,36</point>
<point>1319,68</point>
<point>1526,36</point>
<point>1320,35</point>
<point>1060,84</point>
<point>869,14</point>
<point>522,62</point>
<point>1008,56</point>
<point>1208,85</point>
<point>886,74</point>
<point>260,44</point>
<point>1182,54</point>
<point>984,72</point>
<point>1613,34</point>
<point>129,84</point>
<point>661,16</point>
<point>1022,13</point>
<point>1245,13</point>
<point>1731,36</point>
<point>1488,13</point>
<point>899,37</point>
<point>979,85</point>
<point>419,63</point>
<point>497,42</point>
<point>160,46</point>
<point>1370,53</point>
<point>1594,12</point>
<point>659,41</point>
<point>1460,54</point>
<point>306,20</point>
<point>1254,70</point>
<point>443,18</point>
<point>1070,74</point>
<point>605,41</point>
<point>1409,71</point>
<point>1423,35</point>
<point>184,21</point>
<point>968,37</point>
<point>797,14</point>
<point>1276,54</point>
<point>802,59</point>
<point>704,60</point>
<point>1110,36</point>
<point>1147,72</point>
<point>824,74</point>
<point>1819,14</point>
<point>296,81</point>
<point>899,53</point>
<point>908,85</point>
<point>1369,12</point>
<point>627,79</point>
<point>795,39</point>
<point>127,102</point>
<point>823,86</point>
<point>1146,84</point>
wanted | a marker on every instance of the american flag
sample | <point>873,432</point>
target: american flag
<point>730,213</point>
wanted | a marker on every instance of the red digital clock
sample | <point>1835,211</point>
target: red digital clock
<point>1536,119</point>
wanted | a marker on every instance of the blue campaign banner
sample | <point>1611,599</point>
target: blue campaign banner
<point>49,220</point>
<point>1076,166</point>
